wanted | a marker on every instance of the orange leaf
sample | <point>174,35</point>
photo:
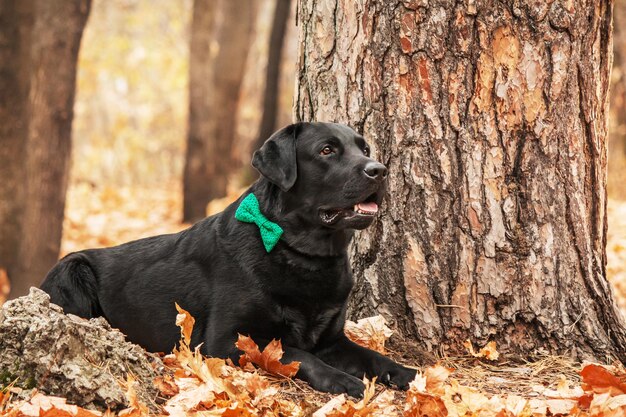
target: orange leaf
<point>436,376</point>
<point>269,360</point>
<point>424,405</point>
<point>137,408</point>
<point>43,405</point>
<point>599,380</point>
<point>5,286</point>
<point>166,385</point>
<point>370,332</point>
<point>185,321</point>
<point>488,352</point>
<point>237,411</point>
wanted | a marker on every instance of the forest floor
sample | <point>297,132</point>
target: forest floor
<point>471,385</point>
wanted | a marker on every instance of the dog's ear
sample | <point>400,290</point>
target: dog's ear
<point>276,160</point>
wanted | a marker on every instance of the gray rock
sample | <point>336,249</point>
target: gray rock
<point>85,361</point>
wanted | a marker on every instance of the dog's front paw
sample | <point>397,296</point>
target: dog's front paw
<point>340,383</point>
<point>391,373</point>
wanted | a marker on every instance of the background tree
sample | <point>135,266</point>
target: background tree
<point>272,73</point>
<point>617,142</point>
<point>220,41</point>
<point>16,21</point>
<point>48,59</point>
<point>492,118</point>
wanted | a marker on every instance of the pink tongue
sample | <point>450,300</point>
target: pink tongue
<point>369,207</point>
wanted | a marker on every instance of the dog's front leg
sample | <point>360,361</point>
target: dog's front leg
<point>356,360</point>
<point>318,374</point>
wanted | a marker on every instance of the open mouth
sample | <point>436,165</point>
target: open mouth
<point>366,208</point>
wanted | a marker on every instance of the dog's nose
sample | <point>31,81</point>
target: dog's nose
<point>375,170</point>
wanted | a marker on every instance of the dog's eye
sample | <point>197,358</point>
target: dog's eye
<point>366,151</point>
<point>326,150</point>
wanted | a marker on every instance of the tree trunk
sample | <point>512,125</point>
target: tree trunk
<point>492,119</point>
<point>56,35</point>
<point>272,74</point>
<point>220,41</point>
<point>16,21</point>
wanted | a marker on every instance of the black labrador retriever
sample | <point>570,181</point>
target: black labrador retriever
<point>272,265</point>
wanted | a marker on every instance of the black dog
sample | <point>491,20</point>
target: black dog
<point>318,184</point>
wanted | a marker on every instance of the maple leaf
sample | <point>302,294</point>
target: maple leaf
<point>598,379</point>
<point>488,352</point>
<point>370,332</point>
<point>268,360</point>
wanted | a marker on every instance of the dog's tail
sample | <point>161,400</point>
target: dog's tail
<point>72,284</point>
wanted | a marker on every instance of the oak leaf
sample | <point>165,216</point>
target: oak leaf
<point>268,360</point>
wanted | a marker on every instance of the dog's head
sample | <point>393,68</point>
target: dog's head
<point>325,172</point>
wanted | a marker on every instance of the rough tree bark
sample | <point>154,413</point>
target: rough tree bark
<point>219,46</point>
<point>492,118</point>
<point>16,21</point>
<point>56,34</point>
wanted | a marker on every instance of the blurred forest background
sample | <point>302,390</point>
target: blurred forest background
<point>133,129</point>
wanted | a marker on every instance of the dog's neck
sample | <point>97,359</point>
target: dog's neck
<point>300,233</point>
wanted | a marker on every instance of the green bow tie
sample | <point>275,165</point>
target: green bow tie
<point>249,212</point>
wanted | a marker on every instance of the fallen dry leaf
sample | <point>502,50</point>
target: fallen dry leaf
<point>268,360</point>
<point>166,385</point>
<point>5,286</point>
<point>49,406</point>
<point>606,405</point>
<point>420,404</point>
<point>210,386</point>
<point>600,380</point>
<point>370,332</point>
<point>185,321</point>
<point>331,405</point>
<point>137,408</point>
<point>436,377</point>
<point>370,405</point>
<point>488,352</point>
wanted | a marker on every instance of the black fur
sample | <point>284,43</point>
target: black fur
<point>219,271</point>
